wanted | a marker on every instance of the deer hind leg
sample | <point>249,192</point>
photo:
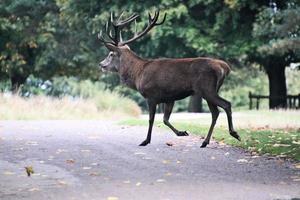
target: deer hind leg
<point>226,105</point>
<point>167,112</point>
<point>214,114</point>
<point>152,110</point>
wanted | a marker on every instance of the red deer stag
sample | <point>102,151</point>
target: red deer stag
<point>165,80</point>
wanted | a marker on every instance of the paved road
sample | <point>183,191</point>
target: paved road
<point>101,160</point>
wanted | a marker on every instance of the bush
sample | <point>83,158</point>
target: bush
<point>67,98</point>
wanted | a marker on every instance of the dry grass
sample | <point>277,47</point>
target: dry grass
<point>104,106</point>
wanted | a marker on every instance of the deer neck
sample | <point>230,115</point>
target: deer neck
<point>131,68</point>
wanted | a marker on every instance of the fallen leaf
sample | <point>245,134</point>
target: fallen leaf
<point>139,153</point>
<point>296,142</point>
<point>255,156</point>
<point>138,184</point>
<point>94,164</point>
<point>178,161</point>
<point>70,161</point>
<point>297,165</point>
<point>8,173</point>
<point>85,150</point>
<point>227,153</point>
<point>213,158</point>
<point>33,189</point>
<point>280,162</point>
<point>165,161</point>
<point>242,161</point>
<point>281,145</point>
<point>127,182</point>
<point>60,182</point>
<point>222,143</point>
<point>29,170</point>
<point>86,168</point>
<point>168,174</point>
<point>160,180</point>
<point>58,151</point>
<point>169,144</point>
<point>32,143</point>
<point>94,174</point>
<point>112,198</point>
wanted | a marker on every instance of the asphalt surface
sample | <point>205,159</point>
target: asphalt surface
<point>102,160</point>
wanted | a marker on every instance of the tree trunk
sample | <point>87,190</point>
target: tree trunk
<point>195,104</point>
<point>16,81</point>
<point>277,86</point>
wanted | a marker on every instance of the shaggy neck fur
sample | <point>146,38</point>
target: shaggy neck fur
<point>131,67</point>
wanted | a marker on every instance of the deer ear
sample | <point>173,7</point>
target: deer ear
<point>111,47</point>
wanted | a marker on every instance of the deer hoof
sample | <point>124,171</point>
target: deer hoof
<point>204,144</point>
<point>235,135</point>
<point>144,143</point>
<point>182,133</point>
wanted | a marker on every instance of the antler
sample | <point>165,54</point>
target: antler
<point>108,33</point>
<point>118,25</point>
<point>152,21</point>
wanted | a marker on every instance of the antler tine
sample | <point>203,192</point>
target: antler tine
<point>101,38</point>
<point>154,18</point>
<point>109,34</point>
<point>119,18</point>
<point>135,29</point>
<point>111,17</point>
<point>121,39</point>
<point>163,20</point>
<point>116,38</point>
<point>151,23</point>
<point>123,23</point>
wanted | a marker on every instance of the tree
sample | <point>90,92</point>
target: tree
<point>278,32</point>
<point>37,39</point>
<point>22,38</point>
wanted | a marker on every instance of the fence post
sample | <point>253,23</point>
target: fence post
<point>298,101</point>
<point>250,103</point>
<point>289,102</point>
<point>257,103</point>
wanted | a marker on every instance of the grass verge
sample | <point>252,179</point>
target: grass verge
<point>274,142</point>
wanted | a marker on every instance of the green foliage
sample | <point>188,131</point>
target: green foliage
<point>61,86</point>
<point>280,29</point>
<point>240,82</point>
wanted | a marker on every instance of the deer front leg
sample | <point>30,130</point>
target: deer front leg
<point>152,109</point>
<point>167,112</point>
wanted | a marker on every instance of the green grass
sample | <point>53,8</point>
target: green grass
<point>275,142</point>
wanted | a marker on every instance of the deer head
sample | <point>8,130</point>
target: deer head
<point>115,42</point>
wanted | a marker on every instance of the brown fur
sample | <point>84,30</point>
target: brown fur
<point>168,80</point>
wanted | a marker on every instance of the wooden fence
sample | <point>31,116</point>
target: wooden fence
<point>293,101</point>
